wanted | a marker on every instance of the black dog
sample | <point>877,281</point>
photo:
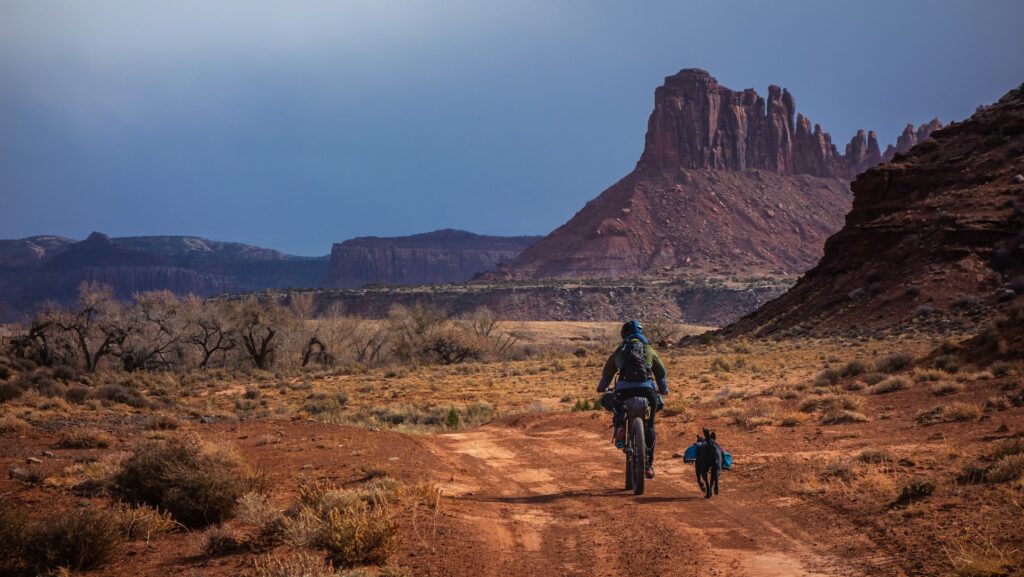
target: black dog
<point>709,460</point>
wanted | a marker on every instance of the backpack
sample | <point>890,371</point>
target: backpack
<point>634,362</point>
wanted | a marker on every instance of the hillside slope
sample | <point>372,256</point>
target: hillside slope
<point>934,238</point>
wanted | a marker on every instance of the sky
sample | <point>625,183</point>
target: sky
<point>293,125</point>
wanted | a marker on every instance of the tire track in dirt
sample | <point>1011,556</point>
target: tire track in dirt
<point>547,500</point>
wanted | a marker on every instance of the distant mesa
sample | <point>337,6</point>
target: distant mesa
<point>443,256</point>
<point>729,183</point>
<point>935,238</point>
<point>40,268</point>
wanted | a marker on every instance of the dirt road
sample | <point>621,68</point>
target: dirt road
<point>544,498</point>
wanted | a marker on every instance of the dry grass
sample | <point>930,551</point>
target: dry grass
<point>890,385</point>
<point>943,388</point>
<point>85,438</point>
<point>220,541</point>
<point>953,412</point>
<point>11,425</point>
<point>142,522</point>
<point>297,565</point>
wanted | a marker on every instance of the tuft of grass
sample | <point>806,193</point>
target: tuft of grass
<point>792,419</point>
<point>953,412</point>
<point>854,368</point>
<point>358,535</point>
<point>915,490</point>
<point>83,438</point>
<point>1006,469</point>
<point>11,425</point>
<point>876,456</point>
<point>142,522</point>
<point>839,416</point>
<point>297,565</point>
<point>220,541</point>
<point>893,363</point>
<point>198,483</point>
<point>890,385</point>
<point>943,388</point>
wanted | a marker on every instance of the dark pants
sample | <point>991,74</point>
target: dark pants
<point>613,402</point>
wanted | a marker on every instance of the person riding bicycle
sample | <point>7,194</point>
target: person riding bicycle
<point>640,373</point>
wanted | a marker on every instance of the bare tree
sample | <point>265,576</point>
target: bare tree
<point>259,324</point>
<point>368,342</point>
<point>412,326</point>
<point>208,329</point>
<point>94,323</point>
<point>153,328</point>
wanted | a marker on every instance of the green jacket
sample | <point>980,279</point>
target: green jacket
<point>614,363</point>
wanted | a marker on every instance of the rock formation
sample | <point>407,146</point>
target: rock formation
<point>934,238</point>
<point>909,138</point>
<point>443,256</point>
<point>728,183</point>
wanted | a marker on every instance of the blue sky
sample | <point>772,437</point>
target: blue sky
<point>293,125</point>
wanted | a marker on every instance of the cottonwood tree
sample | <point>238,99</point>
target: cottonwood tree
<point>153,328</point>
<point>95,323</point>
<point>411,327</point>
<point>260,325</point>
<point>208,328</point>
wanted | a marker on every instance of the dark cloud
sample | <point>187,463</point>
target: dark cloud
<point>295,124</point>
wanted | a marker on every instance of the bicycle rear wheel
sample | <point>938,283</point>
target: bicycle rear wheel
<point>639,460</point>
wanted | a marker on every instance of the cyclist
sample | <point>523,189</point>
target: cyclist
<point>640,373</point>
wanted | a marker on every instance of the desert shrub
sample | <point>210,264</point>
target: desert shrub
<point>77,394</point>
<point>838,416</point>
<point>1006,469</point>
<point>1008,448</point>
<point>80,540</point>
<point>915,490</point>
<point>946,388</point>
<point>827,378</point>
<point>948,363</point>
<point>142,522</point>
<point>873,378</point>
<point>358,535</point>
<point>297,565</point>
<point>792,419</point>
<point>890,385</point>
<point>9,424</point>
<point>854,368</point>
<point>1000,369</point>
<point>9,391</point>
<point>720,365</point>
<point>997,403</point>
<point>832,402</point>
<point>929,375</point>
<point>876,456</point>
<point>114,393</point>
<point>162,422</point>
<point>318,403</point>
<point>893,363</point>
<point>952,412</point>
<point>83,438</point>
<point>196,482</point>
<point>220,541</point>
<point>13,533</point>
<point>839,469</point>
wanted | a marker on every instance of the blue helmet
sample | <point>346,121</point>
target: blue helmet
<point>631,328</point>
